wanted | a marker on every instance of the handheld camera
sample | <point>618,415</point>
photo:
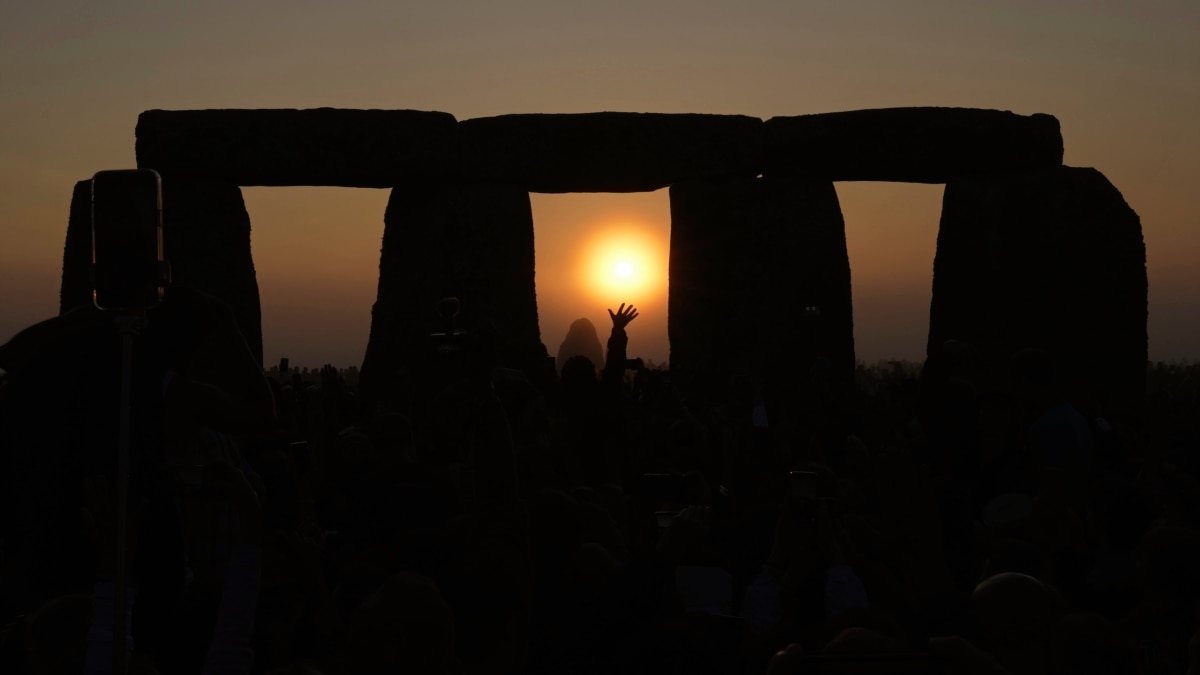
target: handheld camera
<point>128,269</point>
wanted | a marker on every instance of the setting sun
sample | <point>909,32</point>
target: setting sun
<point>588,264</point>
<point>625,263</point>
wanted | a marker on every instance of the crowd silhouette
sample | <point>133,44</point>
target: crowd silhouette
<point>492,519</point>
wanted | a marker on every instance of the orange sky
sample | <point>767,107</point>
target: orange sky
<point>74,76</point>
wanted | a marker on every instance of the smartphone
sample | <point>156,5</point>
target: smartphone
<point>804,485</point>
<point>128,270</point>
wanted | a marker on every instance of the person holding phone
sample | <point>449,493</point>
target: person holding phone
<point>175,366</point>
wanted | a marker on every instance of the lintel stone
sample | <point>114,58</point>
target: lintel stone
<point>911,145</point>
<point>609,151</point>
<point>323,146</point>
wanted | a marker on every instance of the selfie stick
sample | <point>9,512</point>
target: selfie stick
<point>124,208</point>
<point>128,325</point>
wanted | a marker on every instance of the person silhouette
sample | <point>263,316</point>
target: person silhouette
<point>59,418</point>
<point>581,340</point>
<point>589,411</point>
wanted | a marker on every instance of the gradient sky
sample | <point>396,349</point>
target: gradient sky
<point>1121,77</point>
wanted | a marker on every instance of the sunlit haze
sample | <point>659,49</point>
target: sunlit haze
<point>1120,77</point>
<point>580,241</point>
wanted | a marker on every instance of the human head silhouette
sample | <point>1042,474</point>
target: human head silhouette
<point>578,375</point>
<point>581,340</point>
<point>1014,612</point>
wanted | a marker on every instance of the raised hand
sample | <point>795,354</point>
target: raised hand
<point>623,316</point>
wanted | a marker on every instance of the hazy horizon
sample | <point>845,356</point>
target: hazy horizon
<point>75,75</point>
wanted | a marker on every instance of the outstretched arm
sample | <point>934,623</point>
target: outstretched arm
<point>614,362</point>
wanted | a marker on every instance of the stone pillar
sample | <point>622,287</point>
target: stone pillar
<point>76,288</point>
<point>1052,259</point>
<point>759,280</point>
<point>206,238</point>
<point>474,242</point>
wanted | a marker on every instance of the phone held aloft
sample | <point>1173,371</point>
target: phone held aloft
<point>129,272</point>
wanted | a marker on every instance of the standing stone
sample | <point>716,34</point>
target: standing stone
<point>76,288</point>
<point>473,242</point>
<point>206,239</point>
<point>759,281</point>
<point>1051,259</point>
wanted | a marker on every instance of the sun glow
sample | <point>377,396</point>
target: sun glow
<point>623,264</point>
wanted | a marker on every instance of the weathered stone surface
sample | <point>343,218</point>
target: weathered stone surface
<point>911,145</point>
<point>324,146</point>
<point>609,151</point>
<point>748,258</point>
<point>1052,259</point>
<point>76,288</point>
<point>1030,252</point>
<point>206,239</point>
<point>474,242</point>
